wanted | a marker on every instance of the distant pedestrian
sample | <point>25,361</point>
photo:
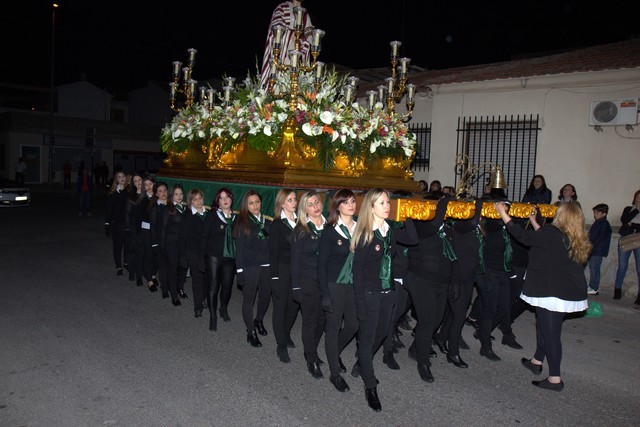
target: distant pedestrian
<point>19,169</point>
<point>104,173</point>
<point>66,170</point>
<point>84,188</point>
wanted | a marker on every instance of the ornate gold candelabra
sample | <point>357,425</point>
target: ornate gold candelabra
<point>188,85</point>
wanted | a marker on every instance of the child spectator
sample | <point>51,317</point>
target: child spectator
<point>600,238</point>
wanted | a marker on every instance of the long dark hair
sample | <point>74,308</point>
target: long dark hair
<point>171,206</point>
<point>133,191</point>
<point>216,199</point>
<point>242,224</point>
<point>532,189</point>
<point>154,199</point>
<point>338,198</point>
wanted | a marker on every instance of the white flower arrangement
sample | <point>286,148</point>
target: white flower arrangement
<point>322,118</point>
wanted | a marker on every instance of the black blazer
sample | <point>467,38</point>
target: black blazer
<point>279,245</point>
<point>251,250</point>
<point>116,209</point>
<point>214,232</point>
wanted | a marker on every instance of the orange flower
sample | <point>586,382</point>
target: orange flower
<point>327,129</point>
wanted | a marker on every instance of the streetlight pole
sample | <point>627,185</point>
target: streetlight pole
<point>54,6</point>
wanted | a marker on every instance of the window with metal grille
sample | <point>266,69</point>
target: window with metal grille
<point>508,141</point>
<point>423,146</point>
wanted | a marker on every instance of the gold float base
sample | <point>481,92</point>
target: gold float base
<point>246,165</point>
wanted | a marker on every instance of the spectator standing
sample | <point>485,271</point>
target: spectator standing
<point>538,191</point>
<point>19,169</point>
<point>66,172</point>
<point>630,221</point>
<point>104,173</point>
<point>600,238</point>
<point>84,188</point>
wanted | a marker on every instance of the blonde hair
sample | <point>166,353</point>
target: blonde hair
<point>363,233</point>
<point>302,210</point>
<point>570,220</point>
<point>281,197</point>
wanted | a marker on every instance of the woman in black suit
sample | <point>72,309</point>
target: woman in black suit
<point>372,245</point>
<point>285,309</point>
<point>172,275</point>
<point>251,234</point>
<point>114,220</point>
<point>157,211</point>
<point>143,221</point>
<point>219,253</point>
<point>305,239</point>
<point>191,248</point>
<point>131,246</point>
<point>555,283</point>
<point>428,279</point>
<point>342,322</point>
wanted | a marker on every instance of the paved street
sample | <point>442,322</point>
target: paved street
<point>82,347</point>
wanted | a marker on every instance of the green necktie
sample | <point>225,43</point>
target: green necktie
<point>286,222</point>
<point>313,228</point>
<point>201,215</point>
<point>385,262</point>
<point>508,249</point>
<point>179,208</point>
<point>262,234</point>
<point>447,248</point>
<point>345,230</point>
<point>229,249</point>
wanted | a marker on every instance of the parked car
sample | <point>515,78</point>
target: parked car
<point>13,195</point>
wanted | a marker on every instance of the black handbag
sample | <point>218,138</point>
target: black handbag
<point>625,230</point>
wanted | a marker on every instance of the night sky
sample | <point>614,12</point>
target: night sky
<point>120,44</point>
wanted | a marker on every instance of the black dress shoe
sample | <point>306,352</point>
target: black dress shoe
<point>372,398</point>
<point>314,370</point>
<point>425,373</point>
<point>510,341</point>
<point>463,344</point>
<point>259,327</point>
<point>476,335</point>
<point>165,294</point>
<point>182,294</point>
<point>152,287</point>
<point>118,272</point>
<point>283,354</point>
<point>197,313</point>
<point>224,314</point>
<point>252,338</point>
<point>527,363</point>
<point>457,361</point>
<point>489,354</point>
<point>213,323</point>
<point>176,301</point>
<point>343,368</point>
<point>290,343</point>
<point>441,344</point>
<point>339,383</point>
<point>355,371</point>
<point>395,340</point>
<point>390,361</point>
<point>545,384</point>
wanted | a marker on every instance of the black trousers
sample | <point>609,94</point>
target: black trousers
<point>494,293</point>
<point>341,326</point>
<point>195,264</point>
<point>313,318</point>
<point>400,308</point>
<point>170,273</point>
<point>149,261</point>
<point>373,331</point>
<point>219,280</point>
<point>455,316</point>
<point>256,281</point>
<point>117,240</point>
<point>429,301</point>
<point>285,309</point>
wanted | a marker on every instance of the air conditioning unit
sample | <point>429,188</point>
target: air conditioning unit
<point>614,112</point>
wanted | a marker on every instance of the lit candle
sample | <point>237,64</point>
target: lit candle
<point>411,91</point>
<point>277,33</point>
<point>185,74</point>
<point>348,89</point>
<point>371,94</point>
<point>203,94</point>
<point>317,36</point>
<point>231,81</point>
<point>172,88</point>
<point>210,93</point>
<point>192,54</point>
<point>394,48</point>
<point>404,62</point>
<point>319,69</point>
<point>299,12</point>
<point>176,68</point>
<point>293,57</point>
<point>192,87</point>
<point>390,82</point>
<point>353,80</point>
<point>227,93</point>
<point>381,90</point>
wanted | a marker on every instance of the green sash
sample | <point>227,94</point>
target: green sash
<point>346,273</point>
<point>262,234</point>
<point>447,248</point>
<point>480,269</point>
<point>229,249</point>
<point>385,262</point>
<point>508,249</point>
